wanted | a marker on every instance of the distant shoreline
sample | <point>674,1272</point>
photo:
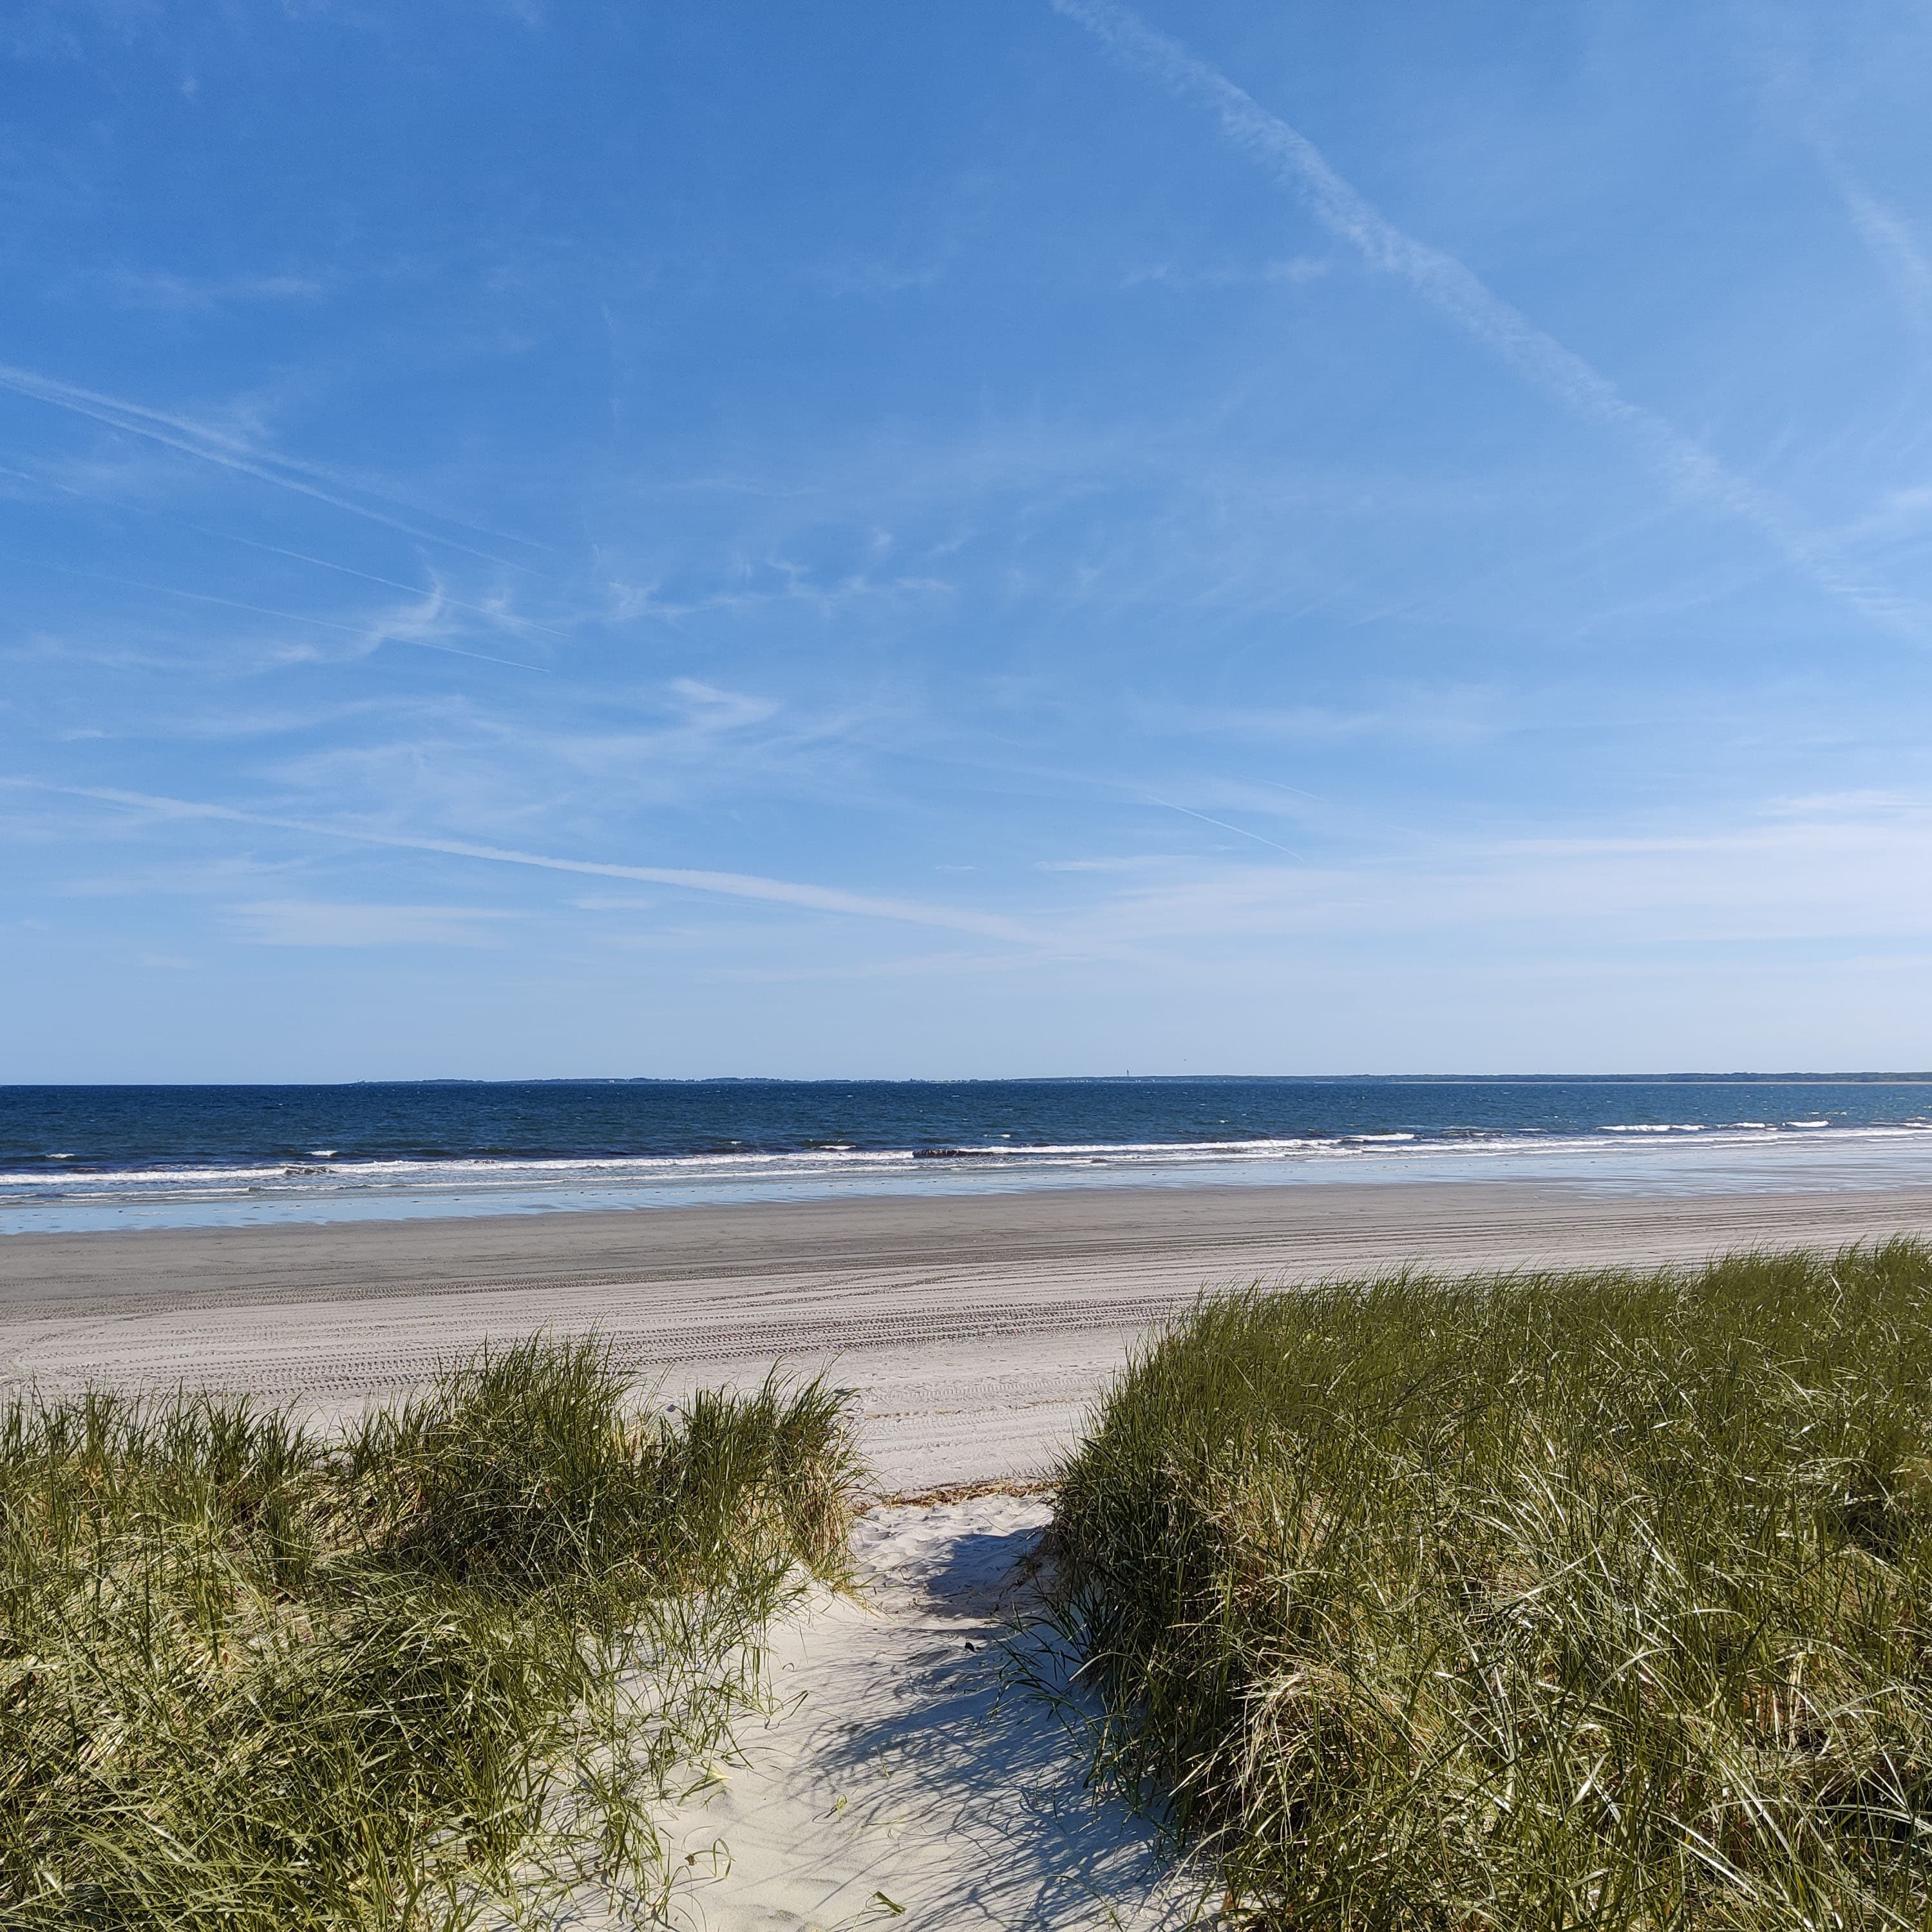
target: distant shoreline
<point>1804,1079</point>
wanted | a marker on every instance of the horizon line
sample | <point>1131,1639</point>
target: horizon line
<point>1902,1077</point>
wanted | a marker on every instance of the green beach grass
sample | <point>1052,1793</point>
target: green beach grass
<point>1561,1600</point>
<point>435,1674</point>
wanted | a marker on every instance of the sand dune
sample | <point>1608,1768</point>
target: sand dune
<point>901,1782</point>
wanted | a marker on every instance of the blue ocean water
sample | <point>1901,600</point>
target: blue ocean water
<point>122,1156</point>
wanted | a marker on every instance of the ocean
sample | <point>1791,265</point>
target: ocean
<point>97,1157</point>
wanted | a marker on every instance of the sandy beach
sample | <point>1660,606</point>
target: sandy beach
<point>908,1771</point>
<point>973,1329</point>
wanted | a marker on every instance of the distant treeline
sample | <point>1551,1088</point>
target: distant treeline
<point>1148,1079</point>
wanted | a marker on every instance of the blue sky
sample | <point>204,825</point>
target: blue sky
<point>877,539</point>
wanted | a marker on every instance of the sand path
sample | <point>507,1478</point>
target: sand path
<point>910,1778</point>
<point>974,1331</point>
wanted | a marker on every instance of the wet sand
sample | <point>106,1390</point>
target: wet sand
<point>974,1329</point>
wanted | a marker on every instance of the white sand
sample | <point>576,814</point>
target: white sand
<point>909,1765</point>
<point>975,1330</point>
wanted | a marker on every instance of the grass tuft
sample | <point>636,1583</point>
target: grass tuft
<point>1570,1599</point>
<point>440,1672</point>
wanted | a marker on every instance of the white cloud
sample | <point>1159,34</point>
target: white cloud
<point>318,923</point>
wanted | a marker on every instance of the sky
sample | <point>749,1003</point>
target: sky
<point>1030,538</point>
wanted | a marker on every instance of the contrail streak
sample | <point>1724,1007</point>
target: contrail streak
<point>727,885</point>
<point>502,619</point>
<point>1294,161</point>
<point>209,446</point>
<point>1239,831</point>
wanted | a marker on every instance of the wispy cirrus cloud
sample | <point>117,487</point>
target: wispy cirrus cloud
<point>327,923</point>
<point>497,611</point>
<point>1805,869</point>
<point>726,885</point>
<point>1458,715</point>
<point>191,878</point>
<point>426,618</point>
<point>203,294</point>
<point>426,621</point>
<point>1290,272</point>
<point>1690,470</point>
<point>777,582</point>
<point>1889,239</point>
<point>717,710</point>
<point>1139,861</point>
<point>210,443</point>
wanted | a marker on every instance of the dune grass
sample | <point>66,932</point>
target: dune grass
<point>437,1673</point>
<point>1583,1599</point>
